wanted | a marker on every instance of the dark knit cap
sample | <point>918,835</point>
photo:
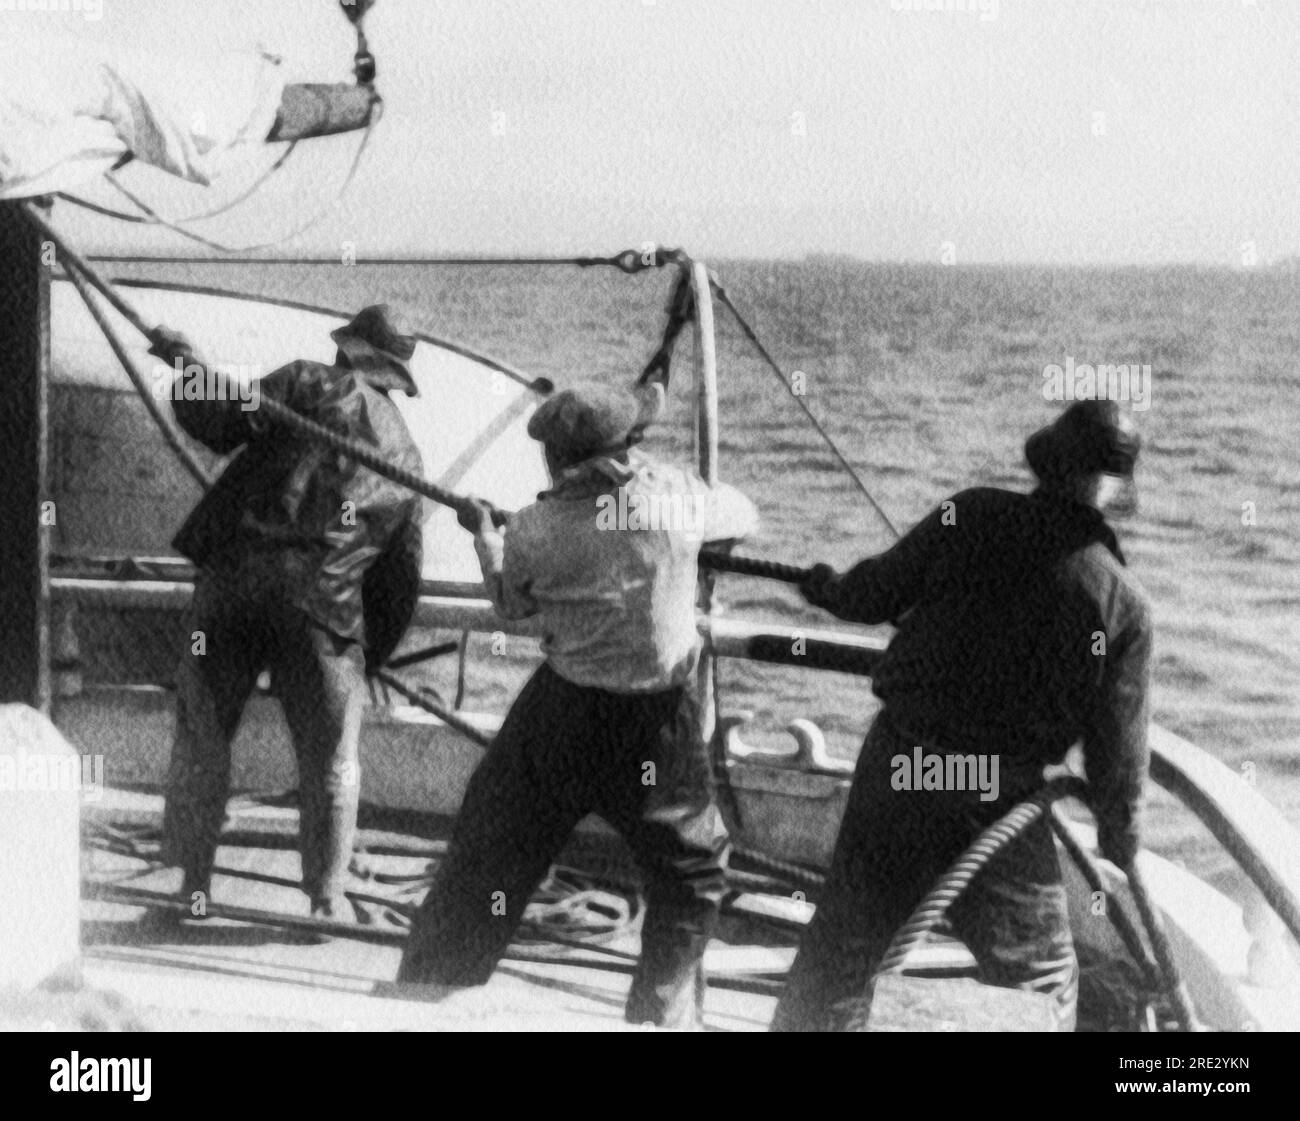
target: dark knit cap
<point>1090,436</point>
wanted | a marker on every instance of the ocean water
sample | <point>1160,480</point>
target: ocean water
<point>929,379</point>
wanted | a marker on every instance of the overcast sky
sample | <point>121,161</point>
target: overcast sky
<point>1058,131</point>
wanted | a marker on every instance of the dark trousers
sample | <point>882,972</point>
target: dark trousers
<point>241,622</point>
<point>892,848</point>
<point>565,751</point>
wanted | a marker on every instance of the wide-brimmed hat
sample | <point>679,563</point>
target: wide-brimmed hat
<point>590,419</point>
<point>1090,436</point>
<point>376,330</point>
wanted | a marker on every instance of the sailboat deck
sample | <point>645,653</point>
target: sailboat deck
<point>227,975</point>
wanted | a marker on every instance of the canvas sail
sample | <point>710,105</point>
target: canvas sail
<point>119,490</point>
<point>70,110</point>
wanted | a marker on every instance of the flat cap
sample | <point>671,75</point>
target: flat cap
<point>588,419</point>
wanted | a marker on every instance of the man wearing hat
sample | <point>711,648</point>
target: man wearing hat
<point>608,724</point>
<point>308,565</point>
<point>1020,633</point>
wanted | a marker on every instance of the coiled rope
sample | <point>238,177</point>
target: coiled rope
<point>916,930</point>
<point>913,933</point>
<point>607,958</point>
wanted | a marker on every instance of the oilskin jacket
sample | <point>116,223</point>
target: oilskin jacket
<point>1019,630</point>
<point>349,540</point>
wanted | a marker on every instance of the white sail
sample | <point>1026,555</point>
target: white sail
<point>119,491</point>
<point>70,110</point>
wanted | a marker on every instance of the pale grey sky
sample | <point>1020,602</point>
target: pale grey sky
<point>1057,131</point>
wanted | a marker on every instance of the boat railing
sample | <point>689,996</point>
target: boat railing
<point>1250,828</point>
<point>457,608</point>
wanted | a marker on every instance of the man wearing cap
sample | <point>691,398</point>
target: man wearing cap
<point>1020,632</point>
<point>308,565</point>
<point>608,724</point>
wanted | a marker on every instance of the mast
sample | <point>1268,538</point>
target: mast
<point>706,458</point>
<point>24,464</point>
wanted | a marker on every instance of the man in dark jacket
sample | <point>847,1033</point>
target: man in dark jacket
<point>309,565</point>
<point>1020,632</point>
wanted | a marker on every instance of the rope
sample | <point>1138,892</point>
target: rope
<point>630,261</point>
<point>272,408</point>
<point>220,247</point>
<point>348,446</point>
<point>364,70</point>
<point>277,412</point>
<point>681,309</point>
<point>783,869</point>
<point>1114,909</point>
<point>913,933</point>
<point>1164,954</point>
<point>187,457</point>
<point>449,718</point>
<point>230,204</point>
<point>366,457</point>
<point>772,364</point>
<point>425,655</point>
<point>752,566</point>
<point>406,910</point>
<point>614,960</point>
<point>70,256</point>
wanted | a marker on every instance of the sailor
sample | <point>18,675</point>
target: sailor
<point>1020,632</point>
<point>308,565</point>
<point>608,724</point>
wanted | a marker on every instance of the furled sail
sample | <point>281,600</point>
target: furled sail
<point>69,111</point>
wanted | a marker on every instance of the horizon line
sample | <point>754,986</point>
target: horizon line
<point>1287,263</point>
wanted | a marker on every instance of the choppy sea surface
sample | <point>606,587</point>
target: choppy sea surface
<point>929,379</point>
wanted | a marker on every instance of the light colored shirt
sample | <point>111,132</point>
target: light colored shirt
<point>607,559</point>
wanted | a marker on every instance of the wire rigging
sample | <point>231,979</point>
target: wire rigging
<point>152,217</point>
<point>229,204</point>
<point>772,364</point>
